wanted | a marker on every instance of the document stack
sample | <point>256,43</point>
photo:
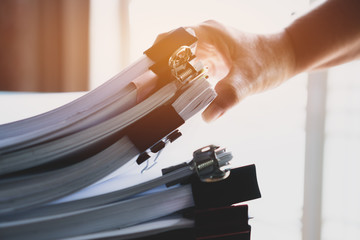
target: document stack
<point>51,162</point>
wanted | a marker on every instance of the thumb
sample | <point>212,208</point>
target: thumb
<point>230,91</point>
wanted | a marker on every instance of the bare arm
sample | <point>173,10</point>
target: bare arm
<point>327,36</point>
<point>246,63</point>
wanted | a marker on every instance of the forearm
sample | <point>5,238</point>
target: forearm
<point>252,63</point>
<point>327,36</point>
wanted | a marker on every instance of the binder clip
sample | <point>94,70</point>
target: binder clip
<point>174,59</point>
<point>208,166</point>
<point>156,149</point>
<point>183,68</point>
<point>240,186</point>
<point>210,163</point>
<point>173,51</point>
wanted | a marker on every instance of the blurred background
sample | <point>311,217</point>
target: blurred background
<point>304,136</point>
<point>44,45</point>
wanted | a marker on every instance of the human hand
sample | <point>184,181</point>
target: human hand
<point>241,63</point>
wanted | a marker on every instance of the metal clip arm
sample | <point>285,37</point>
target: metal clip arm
<point>182,67</point>
<point>208,165</point>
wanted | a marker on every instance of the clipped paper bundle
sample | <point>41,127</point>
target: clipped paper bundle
<point>45,158</point>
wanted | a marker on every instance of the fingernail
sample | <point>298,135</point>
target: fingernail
<point>212,113</point>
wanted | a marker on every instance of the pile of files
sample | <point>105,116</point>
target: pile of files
<point>50,162</point>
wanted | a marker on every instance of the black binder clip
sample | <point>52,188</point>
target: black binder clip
<point>210,163</point>
<point>208,166</point>
<point>174,58</point>
<point>183,68</point>
<point>157,147</point>
<point>164,49</point>
<point>240,186</point>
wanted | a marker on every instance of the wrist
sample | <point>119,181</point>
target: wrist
<point>281,62</point>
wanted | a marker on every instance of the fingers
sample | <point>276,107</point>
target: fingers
<point>230,91</point>
<point>217,48</point>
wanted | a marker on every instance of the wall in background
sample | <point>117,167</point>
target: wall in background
<point>44,45</point>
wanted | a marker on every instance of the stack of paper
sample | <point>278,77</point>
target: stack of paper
<point>55,166</point>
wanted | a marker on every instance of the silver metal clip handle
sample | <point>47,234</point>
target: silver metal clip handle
<point>183,68</point>
<point>209,166</point>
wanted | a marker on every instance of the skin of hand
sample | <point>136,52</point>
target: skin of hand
<point>245,63</point>
<point>241,63</point>
<point>328,34</point>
